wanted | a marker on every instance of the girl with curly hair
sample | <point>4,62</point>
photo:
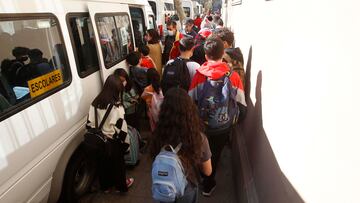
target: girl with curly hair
<point>179,122</point>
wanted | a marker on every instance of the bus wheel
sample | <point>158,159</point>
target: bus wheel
<point>79,176</point>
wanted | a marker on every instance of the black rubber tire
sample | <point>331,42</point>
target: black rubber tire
<point>79,176</point>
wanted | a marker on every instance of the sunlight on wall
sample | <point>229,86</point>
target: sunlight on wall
<point>22,134</point>
<point>308,52</point>
<point>71,99</point>
<point>33,116</point>
<point>7,6</point>
<point>50,116</point>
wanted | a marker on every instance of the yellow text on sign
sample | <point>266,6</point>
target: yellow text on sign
<point>44,83</point>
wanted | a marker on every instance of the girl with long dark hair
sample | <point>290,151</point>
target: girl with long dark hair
<point>179,122</point>
<point>153,96</point>
<point>111,166</point>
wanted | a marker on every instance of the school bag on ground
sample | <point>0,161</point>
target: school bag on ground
<point>217,105</point>
<point>176,74</point>
<point>168,176</point>
<point>132,157</point>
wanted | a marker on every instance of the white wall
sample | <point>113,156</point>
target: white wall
<point>309,53</point>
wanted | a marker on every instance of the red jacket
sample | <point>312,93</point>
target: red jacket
<point>214,71</point>
<point>175,52</point>
<point>197,22</point>
<point>147,62</point>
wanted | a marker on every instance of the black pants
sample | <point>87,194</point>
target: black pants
<point>217,143</point>
<point>133,120</point>
<point>112,167</point>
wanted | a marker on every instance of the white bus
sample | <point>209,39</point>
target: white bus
<point>169,7</point>
<point>188,6</point>
<point>72,46</point>
<point>158,7</point>
<point>197,8</point>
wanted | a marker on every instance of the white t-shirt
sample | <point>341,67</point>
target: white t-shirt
<point>191,65</point>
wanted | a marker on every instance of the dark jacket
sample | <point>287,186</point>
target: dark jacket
<point>138,76</point>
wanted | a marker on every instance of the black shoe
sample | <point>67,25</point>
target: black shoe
<point>208,189</point>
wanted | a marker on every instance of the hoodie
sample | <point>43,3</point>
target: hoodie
<point>214,71</point>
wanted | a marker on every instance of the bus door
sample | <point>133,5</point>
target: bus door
<point>113,33</point>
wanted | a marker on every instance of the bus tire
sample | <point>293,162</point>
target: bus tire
<point>79,176</point>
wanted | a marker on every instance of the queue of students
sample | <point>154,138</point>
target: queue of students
<point>192,104</point>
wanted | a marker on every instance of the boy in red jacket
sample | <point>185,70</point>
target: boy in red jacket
<point>214,71</point>
<point>146,61</point>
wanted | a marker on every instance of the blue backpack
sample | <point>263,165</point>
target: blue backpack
<point>168,177</point>
<point>217,104</point>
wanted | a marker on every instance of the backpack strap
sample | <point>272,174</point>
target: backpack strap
<point>178,147</point>
<point>104,118</point>
<point>96,118</point>
<point>176,150</point>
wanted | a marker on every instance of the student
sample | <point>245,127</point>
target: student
<point>130,98</point>
<point>153,97</point>
<point>111,166</point>
<point>137,74</point>
<point>153,39</point>
<point>218,22</point>
<point>199,53</point>
<point>20,61</point>
<point>174,73</point>
<point>145,60</point>
<point>219,112</point>
<point>180,123</point>
<point>190,28</point>
<point>169,40</point>
<point>207,23</point>
<point>235,60</point>
<point>38,66</point>
<point>225,35</point>
<point>171,50</point>
<point>197,21</point>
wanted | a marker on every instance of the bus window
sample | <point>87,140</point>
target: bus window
<point>33,62</point>
<point>138,23</point>
<point>152,22</point>
<point>187,11</point>
<point>169,7</point>
<point>153,7</point>
<point>115,37</point>
<point>83,42</point>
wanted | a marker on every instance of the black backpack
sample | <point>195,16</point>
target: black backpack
<point>176,74</point>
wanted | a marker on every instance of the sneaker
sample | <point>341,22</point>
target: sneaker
<point>208,190</point>
<point>129,182</point>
